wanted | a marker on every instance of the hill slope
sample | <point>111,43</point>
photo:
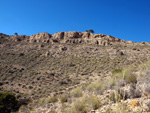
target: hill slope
<point>44,65</point>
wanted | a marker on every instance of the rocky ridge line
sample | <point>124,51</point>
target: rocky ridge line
<point>70,37</point>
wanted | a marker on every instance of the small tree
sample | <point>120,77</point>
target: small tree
<point>16,34</point>
<point>86,31</point>
<point>91,31</point>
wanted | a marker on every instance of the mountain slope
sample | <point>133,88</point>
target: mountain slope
<point>44,65</point>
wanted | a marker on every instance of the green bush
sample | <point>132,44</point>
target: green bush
<point>53,99</point>
<point>95,102</point>
<point>63,99</point>
<point>94,86</point>
<point>77,92</point>
<point>116,71</point>
<point>131,78</point>
<point>79,107</point>
<point>8,102</point>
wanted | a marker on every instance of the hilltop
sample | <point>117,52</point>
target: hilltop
<point>44,68</point>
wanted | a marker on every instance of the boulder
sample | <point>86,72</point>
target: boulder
<point>134,103</point>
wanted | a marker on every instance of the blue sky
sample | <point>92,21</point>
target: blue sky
<point>125,19</point>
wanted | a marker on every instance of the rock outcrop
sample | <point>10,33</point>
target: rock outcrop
<point>72,37</point>
<point>41,37</point>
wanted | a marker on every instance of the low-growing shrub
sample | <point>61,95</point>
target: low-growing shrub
<point>79,107</point>
<point>71,65</point>
<point>131,78</point>
<point>91,87</point>
<point>77,92</point>
<point>95,102</point>
<point>116,71</point>
<point>52,100</point>
<point>63,99</point>
<point>97,86</point>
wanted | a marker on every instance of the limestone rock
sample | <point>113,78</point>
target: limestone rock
<point>59,35</point>
<point>85,35</point>
<point>72,34</point>
<point>41,36</point>
<point>129,42</point>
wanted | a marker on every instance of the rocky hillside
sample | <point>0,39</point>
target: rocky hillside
<point>45,69</point>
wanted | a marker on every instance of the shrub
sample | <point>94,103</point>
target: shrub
<point>95,102</point>
<point>134,49</point>
<point>115,97</point>
<point>8,102</point>
<point>52,99</point>
<point>79,107</point>
<point>131,78</point>
<point>63,99</point>
<point>30,87</point>
<point>116,71</point>
<point>99,85</point>
<point>91,87</point>
<point>71,65</point>
<point>77,92</point>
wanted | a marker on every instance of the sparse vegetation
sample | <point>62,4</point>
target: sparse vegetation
<point>115,97</point>
<point>77,92</point>
<point>52,99</point>
<point>63,99</point>
<point>90,31</point>
<point>131,78</point>
<point>79,108</point>
<point>28,72</point>
<point>95,102</point>
<point>116,71</point>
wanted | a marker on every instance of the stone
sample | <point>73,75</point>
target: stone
<point>134,103</point>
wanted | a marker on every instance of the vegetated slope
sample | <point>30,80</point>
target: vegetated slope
<point>43,65</point>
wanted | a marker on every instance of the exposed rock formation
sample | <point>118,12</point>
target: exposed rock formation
<point>73,37</point>
<point>41,37</point>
